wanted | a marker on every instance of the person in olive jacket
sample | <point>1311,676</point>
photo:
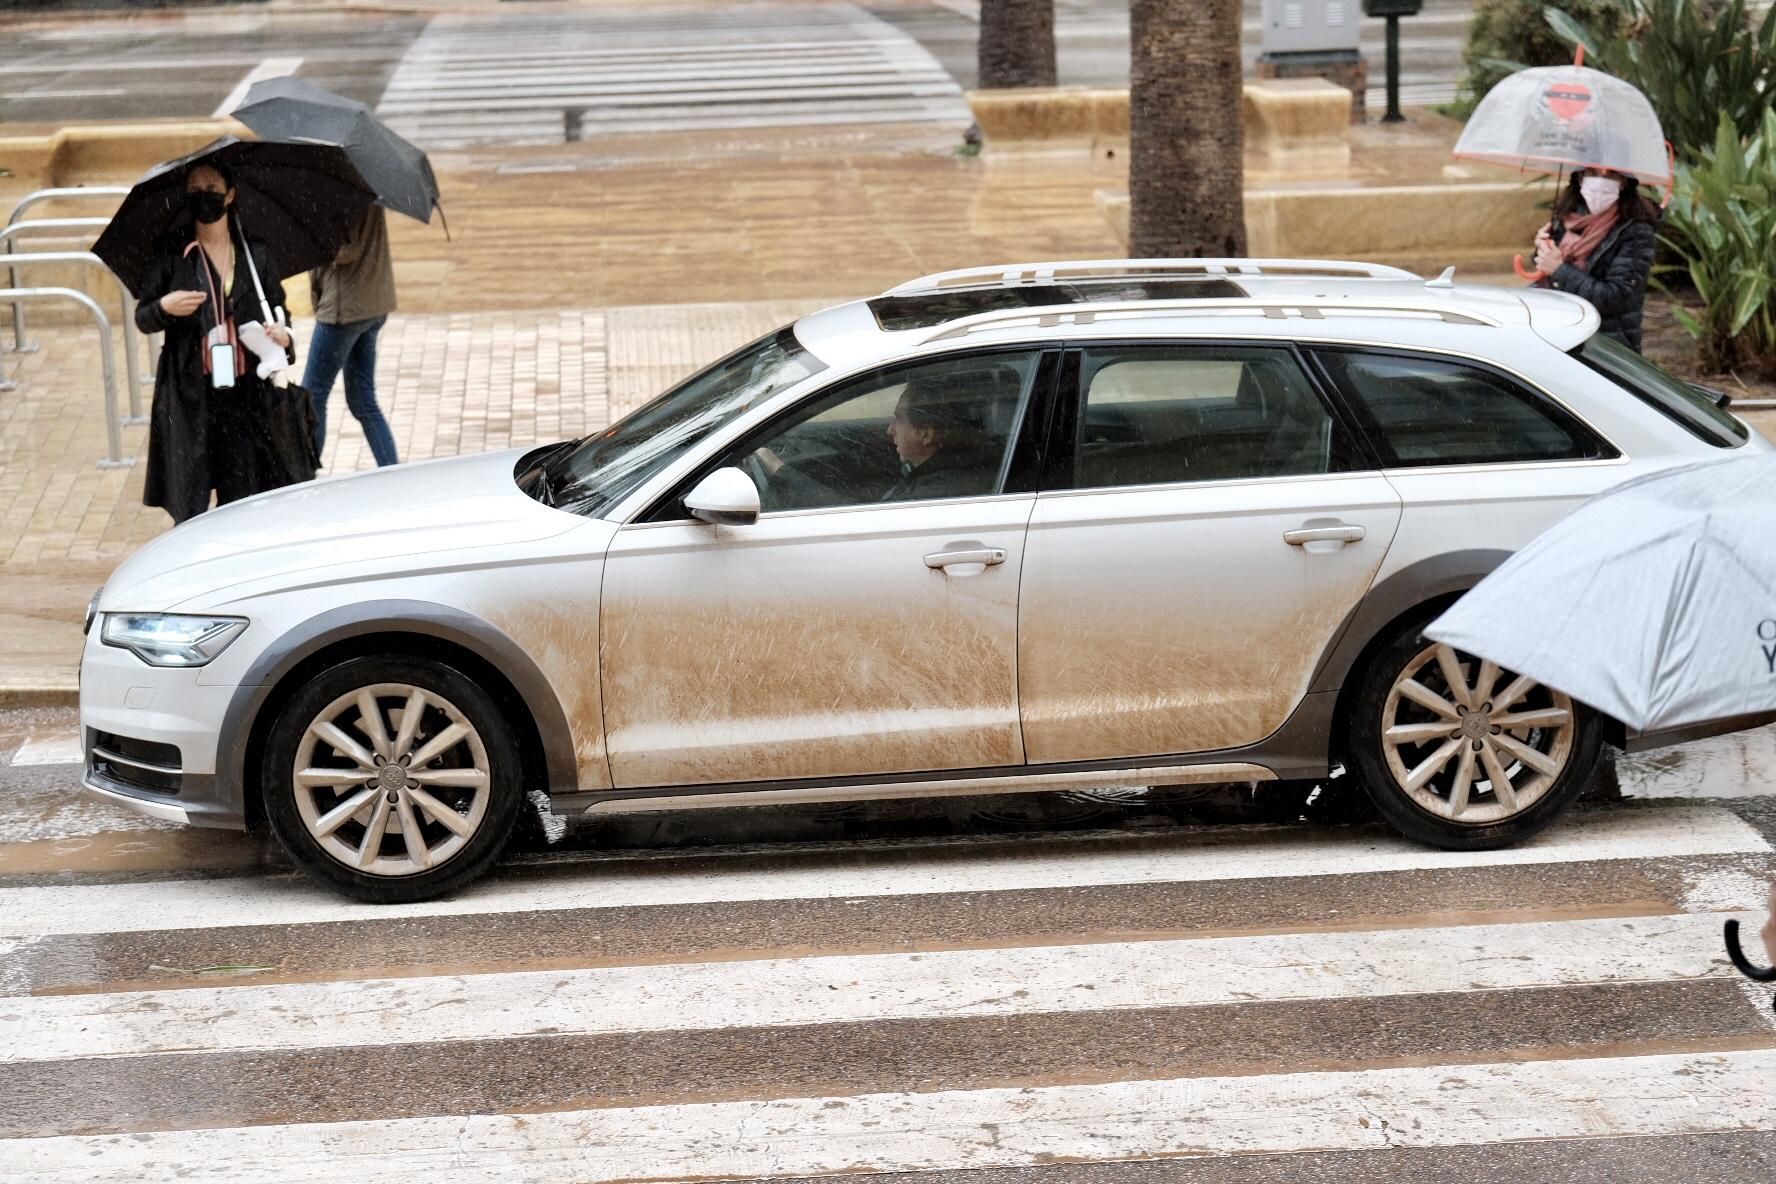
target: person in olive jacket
<point>1605,254</point>
<point>204,435</point>
<point>353,296</point>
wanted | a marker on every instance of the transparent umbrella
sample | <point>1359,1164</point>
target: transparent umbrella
<point>1552,119</point>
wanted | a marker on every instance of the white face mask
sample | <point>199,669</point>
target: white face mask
<point>1600,193</point>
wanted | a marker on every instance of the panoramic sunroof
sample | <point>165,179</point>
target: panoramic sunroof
<point>927,310</point>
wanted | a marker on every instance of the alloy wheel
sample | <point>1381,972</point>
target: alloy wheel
<point>391,779</point>
<point>1471,742</point>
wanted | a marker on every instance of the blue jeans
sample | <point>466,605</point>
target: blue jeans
<point>352,348</point>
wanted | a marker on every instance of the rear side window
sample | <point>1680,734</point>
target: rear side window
<point>1672,397</point>
<point>1426,411</point>
<point>1161,415</point>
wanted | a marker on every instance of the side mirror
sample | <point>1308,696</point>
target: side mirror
<point>726,497</point>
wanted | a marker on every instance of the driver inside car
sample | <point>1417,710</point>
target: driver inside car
<point>943,450</point>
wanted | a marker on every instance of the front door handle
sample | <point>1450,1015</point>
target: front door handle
<point>985,556</point>
<point>1328,532</point>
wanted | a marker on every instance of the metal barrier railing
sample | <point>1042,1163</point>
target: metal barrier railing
<point>114,458</point>
<point>131,351</point>
<point>38,197</point>
<point>13,230</point>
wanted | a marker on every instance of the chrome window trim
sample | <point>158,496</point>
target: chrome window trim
<point>824,511</point>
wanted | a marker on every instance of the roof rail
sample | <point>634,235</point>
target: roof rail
<point>1271,309</point>
<point>1111,269</point>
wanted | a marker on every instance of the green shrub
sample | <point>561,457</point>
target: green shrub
<point>1694,59</point>
<point>1508,35</point>
<point>1722,224</point>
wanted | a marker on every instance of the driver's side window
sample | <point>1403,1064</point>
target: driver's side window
<point>940,429</point>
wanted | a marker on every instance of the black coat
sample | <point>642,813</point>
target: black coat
<point>202,439</point>
<point>1615,278</point>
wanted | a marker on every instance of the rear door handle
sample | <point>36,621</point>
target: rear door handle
<point>985,556</point>
<point>1339,532</point>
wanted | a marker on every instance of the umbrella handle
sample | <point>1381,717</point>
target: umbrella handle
<point>1523,272</point>
<point>1762,974</point>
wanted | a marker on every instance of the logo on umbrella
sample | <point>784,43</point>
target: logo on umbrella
<point>1569,100</point>
<point>1766,632</point>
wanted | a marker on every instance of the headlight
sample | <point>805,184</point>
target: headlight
<point>171,639</point>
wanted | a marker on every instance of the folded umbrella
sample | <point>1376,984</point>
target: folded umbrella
<point>300,200</point>
<point>291,110</point>
<point>1654,602</point>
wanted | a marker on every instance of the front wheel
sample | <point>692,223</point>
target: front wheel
<point>1458,753</point>
<point>392,779</point>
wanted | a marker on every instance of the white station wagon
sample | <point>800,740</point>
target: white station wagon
<point>1020,528</point>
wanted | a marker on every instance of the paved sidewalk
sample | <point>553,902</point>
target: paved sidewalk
<point>450,383</point>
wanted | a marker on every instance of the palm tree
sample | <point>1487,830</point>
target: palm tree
<point>1017,43</point>
<point>1186,133</point>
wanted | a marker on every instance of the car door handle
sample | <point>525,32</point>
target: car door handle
<point>985,556</point>
<point>1335,532</point>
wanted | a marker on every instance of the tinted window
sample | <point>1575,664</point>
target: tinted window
<point>1158,415</point>
<point>1434,411</point>
<point>939,429</point>
<point>1672,397</point>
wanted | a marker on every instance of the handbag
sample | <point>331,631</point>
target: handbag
<point>283,437</point>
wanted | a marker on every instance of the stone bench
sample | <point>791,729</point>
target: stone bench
<point>1477,227</point>
<point>1302,121</point>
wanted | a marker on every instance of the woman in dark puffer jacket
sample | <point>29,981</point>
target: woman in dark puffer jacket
<point>1606,253</point>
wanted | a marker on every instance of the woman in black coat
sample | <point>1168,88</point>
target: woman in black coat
<point>1605,254</point>
<point>202,438</point>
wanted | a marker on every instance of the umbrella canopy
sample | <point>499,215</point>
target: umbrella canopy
<point>300,200</point>
<point>1554,118</point>
<point>295,111</point>
<point>1654,602</point>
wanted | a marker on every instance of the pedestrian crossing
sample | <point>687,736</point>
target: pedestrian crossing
<point>1192,1005</point>
<point>578,73</point>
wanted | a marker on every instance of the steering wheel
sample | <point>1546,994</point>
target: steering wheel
<point>753,465</point>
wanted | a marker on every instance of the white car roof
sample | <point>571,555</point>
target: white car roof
<point>1104,298</point>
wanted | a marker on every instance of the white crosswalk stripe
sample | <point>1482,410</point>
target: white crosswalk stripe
<point>549,78</point>
<point>793,1013</point>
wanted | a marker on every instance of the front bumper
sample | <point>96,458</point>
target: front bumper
<point>99,787</point>
<point>150,738</point>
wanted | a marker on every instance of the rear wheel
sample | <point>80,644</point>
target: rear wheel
<point>1458,753</point>
<point>392,779</point>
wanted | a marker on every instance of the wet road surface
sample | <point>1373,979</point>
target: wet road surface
<point>1131,988</point>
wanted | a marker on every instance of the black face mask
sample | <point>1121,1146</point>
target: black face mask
<point>206,206</point>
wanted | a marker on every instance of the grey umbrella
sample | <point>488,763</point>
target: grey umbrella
<point>293,111</point>
<point>1654,602</point>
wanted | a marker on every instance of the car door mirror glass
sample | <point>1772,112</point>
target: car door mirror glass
<point>726,497</point>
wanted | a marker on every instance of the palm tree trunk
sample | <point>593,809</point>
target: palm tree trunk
<point>1186,133</point>
<point>1017,43</point>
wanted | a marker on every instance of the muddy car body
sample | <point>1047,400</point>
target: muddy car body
<point>1034,527</point>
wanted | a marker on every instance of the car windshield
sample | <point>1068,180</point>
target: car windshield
<point>1683,404</point>
<point>599,471</point>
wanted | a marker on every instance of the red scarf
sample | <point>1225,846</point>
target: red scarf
<point>1584,232</point>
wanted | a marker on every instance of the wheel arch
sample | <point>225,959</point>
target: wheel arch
<point>1419,589</point>
<point>395,627</point>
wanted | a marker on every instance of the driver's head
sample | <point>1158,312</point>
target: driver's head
<point>934,414</point>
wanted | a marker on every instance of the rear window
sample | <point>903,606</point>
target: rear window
<point>1670,396</point>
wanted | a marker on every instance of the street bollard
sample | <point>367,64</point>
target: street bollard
<point>114,458</point>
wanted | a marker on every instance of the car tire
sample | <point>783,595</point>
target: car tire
<point>437,803</point>
<point>1411,746</point>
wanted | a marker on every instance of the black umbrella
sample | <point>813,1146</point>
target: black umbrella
<point>300,200</point>
<point>293,111</point>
